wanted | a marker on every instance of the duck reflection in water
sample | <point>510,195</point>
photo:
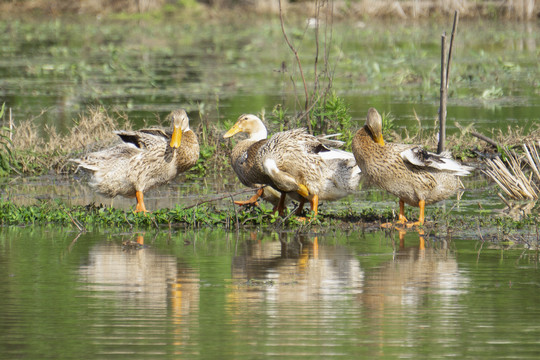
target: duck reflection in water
<point>416,275</point>
<point>295,268</point>
<point>142,281</point>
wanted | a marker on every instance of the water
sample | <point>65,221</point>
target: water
<point>51,70</point>
<point>213,294</point>
<point>262,294</point>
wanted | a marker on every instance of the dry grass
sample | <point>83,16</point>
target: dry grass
<point>518,176</point>
<point>93,130</point>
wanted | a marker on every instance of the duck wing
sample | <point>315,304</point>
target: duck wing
<point>107,158</point>
<point>418,156</point>
<point>145,138</point>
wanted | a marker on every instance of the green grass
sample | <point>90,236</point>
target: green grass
<point>84,218</point>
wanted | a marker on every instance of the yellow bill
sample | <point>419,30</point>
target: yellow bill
<point>232,131</point>
<point>176,137</point>
<point>303,190</point>
<point>379,139</point>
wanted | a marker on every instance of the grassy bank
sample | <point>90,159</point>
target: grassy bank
<point>499,230</point>
<point>84,217</point>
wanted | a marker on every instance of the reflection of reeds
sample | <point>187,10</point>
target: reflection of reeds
<point>511,176</point>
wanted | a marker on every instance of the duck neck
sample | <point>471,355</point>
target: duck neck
<point>259,134</point>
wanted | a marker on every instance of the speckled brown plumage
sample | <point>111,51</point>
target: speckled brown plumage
<point>244,158</point>
<point>415,176</point>
<point>294,162</point>
<point>145,159</point>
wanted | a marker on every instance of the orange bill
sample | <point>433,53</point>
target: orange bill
<point>176,137</point>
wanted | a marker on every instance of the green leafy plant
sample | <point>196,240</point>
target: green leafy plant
<point>332,116</point>
<point>388,125</point>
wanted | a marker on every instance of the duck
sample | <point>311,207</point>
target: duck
<point>144,159</point>
<point>244,159</point>
<point>411,173</point>
<point>293,162</point>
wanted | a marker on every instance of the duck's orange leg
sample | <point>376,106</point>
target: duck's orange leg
<point>401,217</point>
<point>252,200</point>
<point>140,202</point>
<point>314,202</point>
<point>422,206</point>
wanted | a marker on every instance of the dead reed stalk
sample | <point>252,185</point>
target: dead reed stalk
<point>511,176</point>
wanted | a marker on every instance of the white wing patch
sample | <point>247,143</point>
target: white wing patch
<point>422,158</point>
<point>334,154</point>
<point>270,167</point>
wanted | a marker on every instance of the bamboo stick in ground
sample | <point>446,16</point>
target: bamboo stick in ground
<point>442,104</point>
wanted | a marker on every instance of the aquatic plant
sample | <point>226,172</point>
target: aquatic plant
<point>331,115</point>
<point>205,214</point>
<point>82,218</point>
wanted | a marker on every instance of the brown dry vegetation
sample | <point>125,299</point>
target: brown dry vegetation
<point>404,9</point>
<point>33,152</point>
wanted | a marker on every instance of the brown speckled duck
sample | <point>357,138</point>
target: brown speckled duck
<point>417,177</point>
<point>244,159</point>
<point>293,162</point>
<point>145,159</point>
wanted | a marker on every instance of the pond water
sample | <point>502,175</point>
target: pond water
<point>206,294</point>
<point>203,294</point>
<point>221,70</point>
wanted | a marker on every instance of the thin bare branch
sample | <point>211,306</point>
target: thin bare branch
<point>295,52</point>
<point>454,29</point>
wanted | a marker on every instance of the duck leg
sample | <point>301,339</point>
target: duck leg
<point>422,206</point>
<point>140,202</point>
<point>252,200</point>
<point>281,205</point>
<point>314,202</point>
<point>401,217</point>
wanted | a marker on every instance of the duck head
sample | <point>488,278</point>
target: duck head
<point>374,125</point>
<point>180,123</point>
<point>251,125</point>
